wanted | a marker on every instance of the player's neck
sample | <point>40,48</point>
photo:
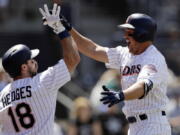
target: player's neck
<point>143,47</point>
<point>22,76</point>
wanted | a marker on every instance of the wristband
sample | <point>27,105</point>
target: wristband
<point>121,96</point>
<point>63,34</point>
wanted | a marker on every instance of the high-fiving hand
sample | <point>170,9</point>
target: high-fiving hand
<point>111,97</point>
<point>52,19</point>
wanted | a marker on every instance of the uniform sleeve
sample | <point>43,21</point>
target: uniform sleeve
<point>150,72</point>
<point>115,56</point>
<point>55,77</point>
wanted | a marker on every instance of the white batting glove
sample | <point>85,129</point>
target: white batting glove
<point>52,20</point>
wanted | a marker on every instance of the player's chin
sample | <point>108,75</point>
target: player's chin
<point>129,44</point>
<point>130,47</point>
<point>35,69</point>
<point>33,74</point>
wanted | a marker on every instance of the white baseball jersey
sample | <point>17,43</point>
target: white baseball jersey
<point>27,106</point>
<point>148,65</point>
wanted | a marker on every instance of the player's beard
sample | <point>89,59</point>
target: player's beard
<point>33,72</point>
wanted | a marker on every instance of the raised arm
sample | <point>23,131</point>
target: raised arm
<point>70,51</point>
<point>85,45</point>
<point>88,47</point>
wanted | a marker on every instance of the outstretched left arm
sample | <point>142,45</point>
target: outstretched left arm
<point>136,91</point>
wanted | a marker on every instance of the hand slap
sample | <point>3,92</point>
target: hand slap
<point>52,19</point>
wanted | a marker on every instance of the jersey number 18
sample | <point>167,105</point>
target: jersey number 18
<point>17,112</point>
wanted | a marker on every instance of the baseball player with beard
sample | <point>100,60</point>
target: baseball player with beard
<point>143,70</point>
<point>27,105</point>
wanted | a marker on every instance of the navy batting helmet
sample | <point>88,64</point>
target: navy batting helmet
<point>15,57</point>
<point>143,25</point>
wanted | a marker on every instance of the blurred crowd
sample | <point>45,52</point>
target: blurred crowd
<point>88,116</point>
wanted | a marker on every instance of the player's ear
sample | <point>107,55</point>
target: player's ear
<point>23,67</point>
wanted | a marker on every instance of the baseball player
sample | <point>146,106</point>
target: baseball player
<point>144,74</point>
<point>27,105</point>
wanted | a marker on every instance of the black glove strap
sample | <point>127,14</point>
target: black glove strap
<point>121,96</point>
<point>63,34</point>
<point>65,23</point>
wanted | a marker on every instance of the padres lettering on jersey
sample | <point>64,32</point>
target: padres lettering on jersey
<point>130,70</point>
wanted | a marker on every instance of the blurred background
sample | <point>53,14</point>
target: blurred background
<point>20,22</point>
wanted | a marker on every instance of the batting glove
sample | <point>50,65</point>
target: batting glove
<point>52,19</point>
<point>65,23</point>
<point>111,97</point>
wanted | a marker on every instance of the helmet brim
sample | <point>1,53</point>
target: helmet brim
<point>126,26</point>
<point>34,53</point>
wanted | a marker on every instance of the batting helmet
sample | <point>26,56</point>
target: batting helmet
<point>143,25</point>
<point>15,57</point>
